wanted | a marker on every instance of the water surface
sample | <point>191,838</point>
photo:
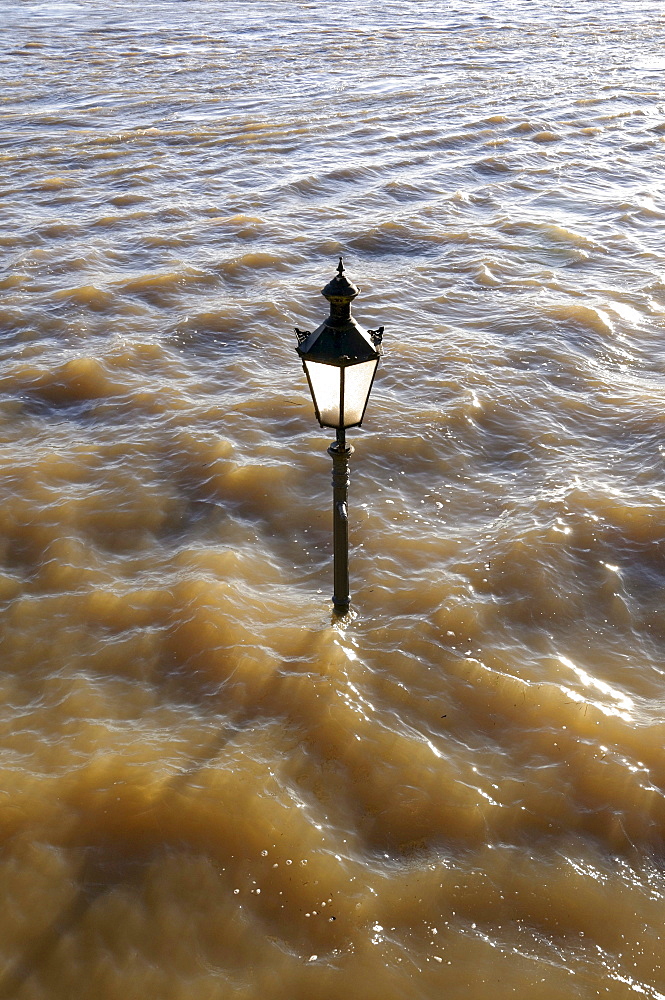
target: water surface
<point>209,789</point>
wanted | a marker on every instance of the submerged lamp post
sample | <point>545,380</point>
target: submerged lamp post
<point>340,361</point>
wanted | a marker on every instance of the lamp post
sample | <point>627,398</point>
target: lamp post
<point>340,361</point>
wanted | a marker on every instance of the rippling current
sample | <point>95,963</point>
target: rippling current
<point>208,788</point>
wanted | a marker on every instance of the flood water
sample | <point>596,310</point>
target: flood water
<point>209,789</point>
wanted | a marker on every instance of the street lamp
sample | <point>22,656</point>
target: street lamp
<point>340,361</point>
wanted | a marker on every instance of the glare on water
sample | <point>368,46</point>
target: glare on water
<point>208,788</point>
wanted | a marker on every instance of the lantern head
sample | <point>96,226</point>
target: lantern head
<point>340,359</point>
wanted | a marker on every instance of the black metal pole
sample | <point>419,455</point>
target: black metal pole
<point>340,482</point>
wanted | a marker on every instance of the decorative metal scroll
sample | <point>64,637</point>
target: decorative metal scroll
<point>377,336</point>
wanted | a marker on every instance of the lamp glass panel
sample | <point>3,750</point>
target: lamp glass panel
<point>357,384</point>
<point>325,382</point>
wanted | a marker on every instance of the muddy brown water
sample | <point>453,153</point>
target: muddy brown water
<point>208,789</point>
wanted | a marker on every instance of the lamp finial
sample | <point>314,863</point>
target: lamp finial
<point>340,268</point>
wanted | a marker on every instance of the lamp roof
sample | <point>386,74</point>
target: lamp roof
<point>339,340</point>
<point>341,345</point>
<point>340,287</point>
